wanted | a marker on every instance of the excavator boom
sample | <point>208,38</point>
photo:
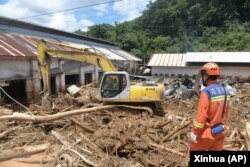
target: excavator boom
<point>115,86</point>
<point>82,55</point>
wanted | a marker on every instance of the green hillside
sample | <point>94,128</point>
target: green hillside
<point>176,26</point>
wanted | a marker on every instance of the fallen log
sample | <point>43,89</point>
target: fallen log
<point>34,161</point>
<point>87,129</point>
<point>36,119</point>
<point>176,130</point>
<point>22,152</point>
<point>160,147</point>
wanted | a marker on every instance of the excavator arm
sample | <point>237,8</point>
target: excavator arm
<point>115,86</point>
<point>77,54</point>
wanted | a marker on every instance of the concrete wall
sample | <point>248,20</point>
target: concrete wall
<point>28,70</point>
<point>22,69</point>
<point>193,70</point>
<point>14,69</point>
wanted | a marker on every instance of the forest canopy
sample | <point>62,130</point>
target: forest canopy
<point>177,26</point>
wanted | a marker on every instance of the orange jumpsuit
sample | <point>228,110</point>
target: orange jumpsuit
<point>209,114</point>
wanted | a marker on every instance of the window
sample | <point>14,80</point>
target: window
<point>113,85</point>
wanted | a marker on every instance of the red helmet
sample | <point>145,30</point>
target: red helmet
<point>211,69</point>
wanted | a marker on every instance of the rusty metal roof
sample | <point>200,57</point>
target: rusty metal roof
<point>24,46</point>
<point>20,46</point>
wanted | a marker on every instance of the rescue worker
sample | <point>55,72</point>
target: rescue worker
<point>208,131</point>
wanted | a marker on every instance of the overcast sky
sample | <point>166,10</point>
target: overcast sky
<point>71,20</point>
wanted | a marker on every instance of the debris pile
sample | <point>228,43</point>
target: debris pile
<point>79,131</point>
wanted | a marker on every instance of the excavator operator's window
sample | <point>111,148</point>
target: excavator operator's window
<point>113,85</point>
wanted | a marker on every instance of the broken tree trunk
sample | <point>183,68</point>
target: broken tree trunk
<point>46,118</point>
<point>36,119</point>
<point>22,152</point>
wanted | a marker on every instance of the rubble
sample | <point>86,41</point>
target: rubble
<point>113,135</point>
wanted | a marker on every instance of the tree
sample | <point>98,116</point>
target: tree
<point>169,26</point>
<point>102,31</point>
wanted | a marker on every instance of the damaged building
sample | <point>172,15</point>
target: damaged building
<point>19,75</point>
<point>232,64</point>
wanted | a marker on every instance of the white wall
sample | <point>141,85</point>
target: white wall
<point>174,70</point>
<point>193,70</point>
<point>14,69</point>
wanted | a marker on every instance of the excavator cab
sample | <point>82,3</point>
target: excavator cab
<point>114,85</point>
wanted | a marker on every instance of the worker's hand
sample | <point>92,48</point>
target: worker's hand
<point>193,137</point>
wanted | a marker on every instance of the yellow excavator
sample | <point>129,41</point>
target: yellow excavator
<point>115,86</point>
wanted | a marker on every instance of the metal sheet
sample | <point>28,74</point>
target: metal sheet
<point>152,60</point>
<point>13,47</point>
<point>125,54</point>
<point>164,60</point>
<point>26,47</point>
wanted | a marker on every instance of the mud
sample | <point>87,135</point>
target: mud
<point>122,136</point>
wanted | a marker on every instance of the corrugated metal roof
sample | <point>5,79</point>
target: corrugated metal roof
<point>219,57</point>
<point>25,46</point>
<point>9,46</point>
<point>125,54</point>
<point>175,60</point>
<point>111,52</point>
<point>11,24</point>
<point>104,51</point>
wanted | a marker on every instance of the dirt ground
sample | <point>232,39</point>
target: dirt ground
<point>118,136</point>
